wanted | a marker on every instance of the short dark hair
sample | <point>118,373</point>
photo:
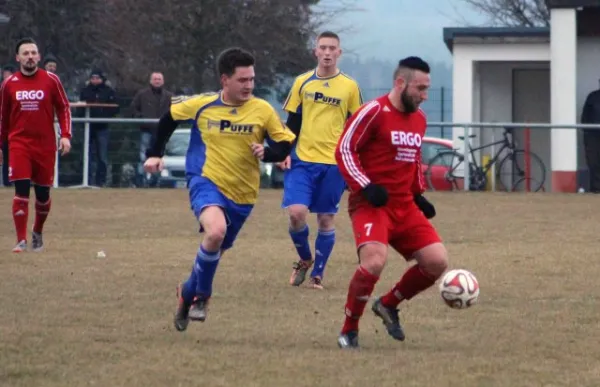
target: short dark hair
<point>415,63</point>
<point>232,58</point>
<point>22,42</point>
<point>328,34</point>
<point>412,63</point>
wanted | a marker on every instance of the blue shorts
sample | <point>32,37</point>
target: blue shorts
<point>317,186</point>
<point>204,193</point>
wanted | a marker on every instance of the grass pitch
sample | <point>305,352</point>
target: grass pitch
<point>69,318</point>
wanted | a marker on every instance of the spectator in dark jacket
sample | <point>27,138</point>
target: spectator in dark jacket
<point>7,71</point>
<point>150,102</point>
<point>591,138</point>
<point>97,91</point>
<point>50,63</point>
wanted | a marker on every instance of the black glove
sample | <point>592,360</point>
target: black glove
<point>375,194</point>
<point>425,206</point>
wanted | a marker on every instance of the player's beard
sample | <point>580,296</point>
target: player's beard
<point>409,105</point>
<point>28,67</point>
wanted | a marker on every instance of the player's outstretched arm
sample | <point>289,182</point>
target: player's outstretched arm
<point>166,127</point>
<point>418,186</point>
<point>294,122</point>
<point>62,109</point>
<point>164,131</point>
<point>280,138</point>
<point>425,206</point>
<point>356,134</point>
<point>277,151</point>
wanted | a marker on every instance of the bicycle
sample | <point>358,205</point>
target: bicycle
<point>515,160</point>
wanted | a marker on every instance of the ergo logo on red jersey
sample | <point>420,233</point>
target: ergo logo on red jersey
<point>29,95</point>
<point>408,139</point>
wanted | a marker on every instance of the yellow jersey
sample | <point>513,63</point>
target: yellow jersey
<point>221,137</point>
<point>325,105</point>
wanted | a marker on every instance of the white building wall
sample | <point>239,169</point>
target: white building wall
<point>466,107</point>
<point>563,83</point>
<point>497,105</point>
<point>482,89</point>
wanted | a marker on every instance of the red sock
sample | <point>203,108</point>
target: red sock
<point>41,213</point>
<point>413,282</point>
<point>361,287</point>
<point>20,210</point>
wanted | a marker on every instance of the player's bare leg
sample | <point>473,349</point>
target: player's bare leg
<point>42,209</point>
<point>20,211</point>
<point>323,248</point>
<point>432,261</point>
<point>299,233</point>
<point>372,257</point>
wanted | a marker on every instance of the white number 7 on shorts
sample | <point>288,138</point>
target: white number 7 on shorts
<point>368,227</point>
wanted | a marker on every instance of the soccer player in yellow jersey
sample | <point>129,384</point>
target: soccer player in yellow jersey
<point>222,167</point>
<point>318,105</point>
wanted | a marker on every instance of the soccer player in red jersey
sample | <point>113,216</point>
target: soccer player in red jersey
<point>379,155</point>
<point>28,101</point>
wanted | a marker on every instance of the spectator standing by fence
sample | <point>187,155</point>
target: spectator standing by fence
<point>50,64</point>
<point>152,101</point>
<point>7,71</point>
<point>97,90</point>
<point>591,138</point>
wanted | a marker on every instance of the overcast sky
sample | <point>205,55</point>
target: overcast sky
<point>388,29</point>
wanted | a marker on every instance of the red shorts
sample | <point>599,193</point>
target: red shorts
<point>34,165</point>
<point>405,229</point>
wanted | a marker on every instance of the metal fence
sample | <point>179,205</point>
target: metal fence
<point>527,160</point>
<point>486,158</point>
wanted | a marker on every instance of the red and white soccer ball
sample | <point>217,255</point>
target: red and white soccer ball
<point>459,289</point>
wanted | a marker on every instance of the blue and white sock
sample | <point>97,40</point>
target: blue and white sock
<point>323,248</point>
<point>205,268</point>
<point>300,239</point>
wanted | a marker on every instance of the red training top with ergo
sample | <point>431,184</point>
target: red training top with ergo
<point>382,145</point>
<point>27,106</point>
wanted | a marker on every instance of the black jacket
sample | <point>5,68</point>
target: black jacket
<point>101,93</point>
<point>591,109</point>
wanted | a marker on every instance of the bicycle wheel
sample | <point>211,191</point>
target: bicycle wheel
<point>524,184</point>
<point>443,172</point>
<point>511,173</point>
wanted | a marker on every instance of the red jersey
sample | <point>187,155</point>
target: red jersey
<point>382,145</point>
<point>27,108</point>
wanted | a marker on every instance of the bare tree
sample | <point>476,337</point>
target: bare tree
<point>513,13</point>
<point>130,38</point>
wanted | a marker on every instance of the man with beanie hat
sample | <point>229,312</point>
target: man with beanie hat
<point>50,63</point>
<point>7,71</point>
<point>97,91</point>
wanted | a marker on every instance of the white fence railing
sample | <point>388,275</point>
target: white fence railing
<point>464,142</point>
<point>465,137</point>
